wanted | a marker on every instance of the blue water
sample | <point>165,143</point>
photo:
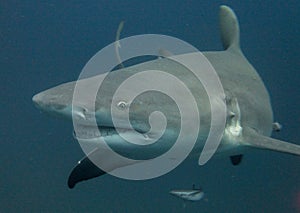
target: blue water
<point>45,44</point>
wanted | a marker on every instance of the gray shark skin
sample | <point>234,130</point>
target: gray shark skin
<point>249,120</point>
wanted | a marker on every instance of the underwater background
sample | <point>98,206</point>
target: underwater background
<point>46,43</point>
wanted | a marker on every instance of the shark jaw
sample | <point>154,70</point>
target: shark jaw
<point>112,135</point>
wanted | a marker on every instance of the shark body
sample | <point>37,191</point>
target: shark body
<point>249,112</point>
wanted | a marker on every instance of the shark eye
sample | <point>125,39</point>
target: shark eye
<point>122,105</point>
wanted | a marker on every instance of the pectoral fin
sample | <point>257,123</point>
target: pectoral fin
<point>252,138</point>
<point>84,170</point>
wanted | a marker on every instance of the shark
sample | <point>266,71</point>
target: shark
<point>249,119</point>
<point>193,194</point>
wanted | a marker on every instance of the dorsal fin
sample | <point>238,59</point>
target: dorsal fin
<point>229,26</point>
<point>117,43</point>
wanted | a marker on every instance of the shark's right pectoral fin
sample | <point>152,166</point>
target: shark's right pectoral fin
<point>85,170</point>
<point>254,139</point>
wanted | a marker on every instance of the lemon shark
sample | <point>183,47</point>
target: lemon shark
<point>249,117</point>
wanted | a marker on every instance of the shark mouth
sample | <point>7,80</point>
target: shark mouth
<point>90,132</point>
<point>87,132</point>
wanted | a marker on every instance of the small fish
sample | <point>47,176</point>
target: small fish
<point>276,126</point>
<point>188,194</point>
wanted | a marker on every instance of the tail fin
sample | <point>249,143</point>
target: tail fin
<point>229,26</point>
<point>252,138</point>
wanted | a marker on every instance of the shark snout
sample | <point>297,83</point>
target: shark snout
<point>37,100</point>
<point>47,102</point>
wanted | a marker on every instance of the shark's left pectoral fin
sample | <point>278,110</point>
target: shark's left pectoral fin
<point>254,139</point>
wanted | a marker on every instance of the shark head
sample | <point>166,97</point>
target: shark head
<point>53,102</point>
<point>139,118</point>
